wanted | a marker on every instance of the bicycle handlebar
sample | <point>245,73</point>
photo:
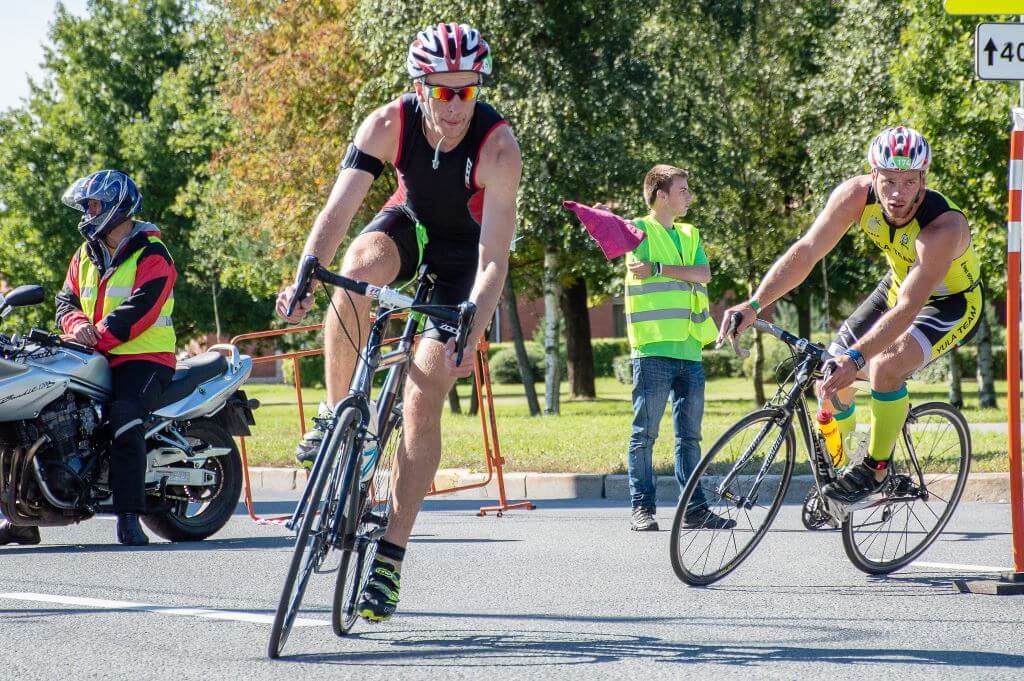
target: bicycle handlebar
<point>801,344</point>
<point>461,316</point>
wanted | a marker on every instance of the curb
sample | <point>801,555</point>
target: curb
<point>991,487</point>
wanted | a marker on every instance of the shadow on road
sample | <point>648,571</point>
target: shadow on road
<point>902,584</point>
<point>536,648</point>
<point>286,541</point>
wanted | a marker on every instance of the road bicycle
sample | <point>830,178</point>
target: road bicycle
<point>746,473</point>
<point>346,503</point>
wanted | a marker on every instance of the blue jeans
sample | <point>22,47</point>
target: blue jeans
<point>655,379</point>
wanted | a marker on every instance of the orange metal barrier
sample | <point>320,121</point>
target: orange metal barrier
<point>485,400</point>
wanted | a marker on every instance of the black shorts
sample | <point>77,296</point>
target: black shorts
<point>453,262</point>
<point>942,324</point>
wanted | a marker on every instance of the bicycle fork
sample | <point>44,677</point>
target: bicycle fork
<point>750,499</point>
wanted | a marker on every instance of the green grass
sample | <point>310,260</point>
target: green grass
<point>589,436</point>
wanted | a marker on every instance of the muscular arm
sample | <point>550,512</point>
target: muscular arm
<point>499,172</point>
<point>843,208</point>
<point>378,136</point>
<point>937,247</point>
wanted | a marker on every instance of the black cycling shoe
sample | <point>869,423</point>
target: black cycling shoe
<point>857,482</point>
<point>643,520</point>
<point>380,595</point>
<point>306,450</point>
<point>703,518</point>
<point>18,534</point>
<point>129,532</point>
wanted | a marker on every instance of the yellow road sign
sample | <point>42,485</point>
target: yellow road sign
<point>985,6</point>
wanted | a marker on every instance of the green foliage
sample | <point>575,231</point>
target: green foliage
<point>132,85</point>
<point>605,352</point>
<point>967,358</point>
<point>311,369</point>
<point>505,368</point>
<point>722,364</point>
<point>296,92</point>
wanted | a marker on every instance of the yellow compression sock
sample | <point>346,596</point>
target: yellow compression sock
<point>846,421</point>
<point>888,412</point>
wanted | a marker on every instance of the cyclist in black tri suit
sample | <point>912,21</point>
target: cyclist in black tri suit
<point>458,168</point>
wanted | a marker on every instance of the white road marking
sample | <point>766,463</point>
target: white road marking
<point>958,566</point>
<point>205,613</point>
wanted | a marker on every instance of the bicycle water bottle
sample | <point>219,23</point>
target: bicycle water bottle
<point>370,449</point>
<point>833,440</point>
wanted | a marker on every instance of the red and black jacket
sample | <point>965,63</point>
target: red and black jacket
<point>154,282</point>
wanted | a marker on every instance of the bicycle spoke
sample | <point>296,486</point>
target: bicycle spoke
<point>730,529</point>
<point>934,447</point>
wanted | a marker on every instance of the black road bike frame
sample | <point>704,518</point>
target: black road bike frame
<point>810,361</point>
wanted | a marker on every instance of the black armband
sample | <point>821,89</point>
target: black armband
<point>354,158</point>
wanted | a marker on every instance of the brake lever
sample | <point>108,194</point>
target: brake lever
<point>733,336</point>
<point>303,278</point>
<point>467,311</point>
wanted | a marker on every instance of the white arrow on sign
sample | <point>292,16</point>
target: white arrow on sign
<point>999,51</point>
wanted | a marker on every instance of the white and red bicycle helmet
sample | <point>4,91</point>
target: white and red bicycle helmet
<point>448,47</point>
<point>899,148</point>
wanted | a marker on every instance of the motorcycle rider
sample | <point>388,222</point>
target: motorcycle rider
<point>118,298</point>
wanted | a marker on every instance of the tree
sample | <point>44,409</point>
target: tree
<point>849,100</point>
<point>738,96</point>
<point>130,86</point>
<point>296,88</point>
<point>522,359</point>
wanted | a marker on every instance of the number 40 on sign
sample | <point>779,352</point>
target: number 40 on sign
<point>999,51</point>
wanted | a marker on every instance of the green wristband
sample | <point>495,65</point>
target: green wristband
<point>754,304</point>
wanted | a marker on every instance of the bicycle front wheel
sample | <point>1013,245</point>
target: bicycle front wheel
<point>705,546</point>
<point>360,545</point>
<point>928,472</point>
<point>311,539</point>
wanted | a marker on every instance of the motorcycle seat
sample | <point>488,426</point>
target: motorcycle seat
<point>190,374</point>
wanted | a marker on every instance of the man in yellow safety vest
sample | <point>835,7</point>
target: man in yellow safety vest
<point>668,323</point>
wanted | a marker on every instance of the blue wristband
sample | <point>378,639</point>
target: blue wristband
<point>858,359</point>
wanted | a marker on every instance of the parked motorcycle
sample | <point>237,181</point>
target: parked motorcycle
<point>55,439</point>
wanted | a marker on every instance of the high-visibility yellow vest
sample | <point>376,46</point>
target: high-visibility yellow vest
<point>661,308</point>
<point>119,285</point>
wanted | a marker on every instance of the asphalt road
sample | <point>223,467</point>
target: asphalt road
<point>564,591</point>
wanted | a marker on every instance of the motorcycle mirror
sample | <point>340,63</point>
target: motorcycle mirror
<point>30,294</point>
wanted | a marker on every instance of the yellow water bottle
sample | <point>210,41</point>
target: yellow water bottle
<point>833,440</point>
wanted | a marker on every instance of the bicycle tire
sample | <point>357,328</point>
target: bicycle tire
<point>856,550</point>
<point>688,573</point>
<point>364,547</point>
<point>305,553</point>
<point>342,621</point>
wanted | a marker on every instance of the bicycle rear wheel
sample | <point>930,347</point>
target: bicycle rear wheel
<point>374,509</point>
<point>927,476</point>
<point>725,478</point>
<point>311,539</point>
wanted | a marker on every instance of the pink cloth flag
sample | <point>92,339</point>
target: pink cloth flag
<point>614,235</point>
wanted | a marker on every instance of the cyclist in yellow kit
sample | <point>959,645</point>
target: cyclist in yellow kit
<point>928,303</point>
